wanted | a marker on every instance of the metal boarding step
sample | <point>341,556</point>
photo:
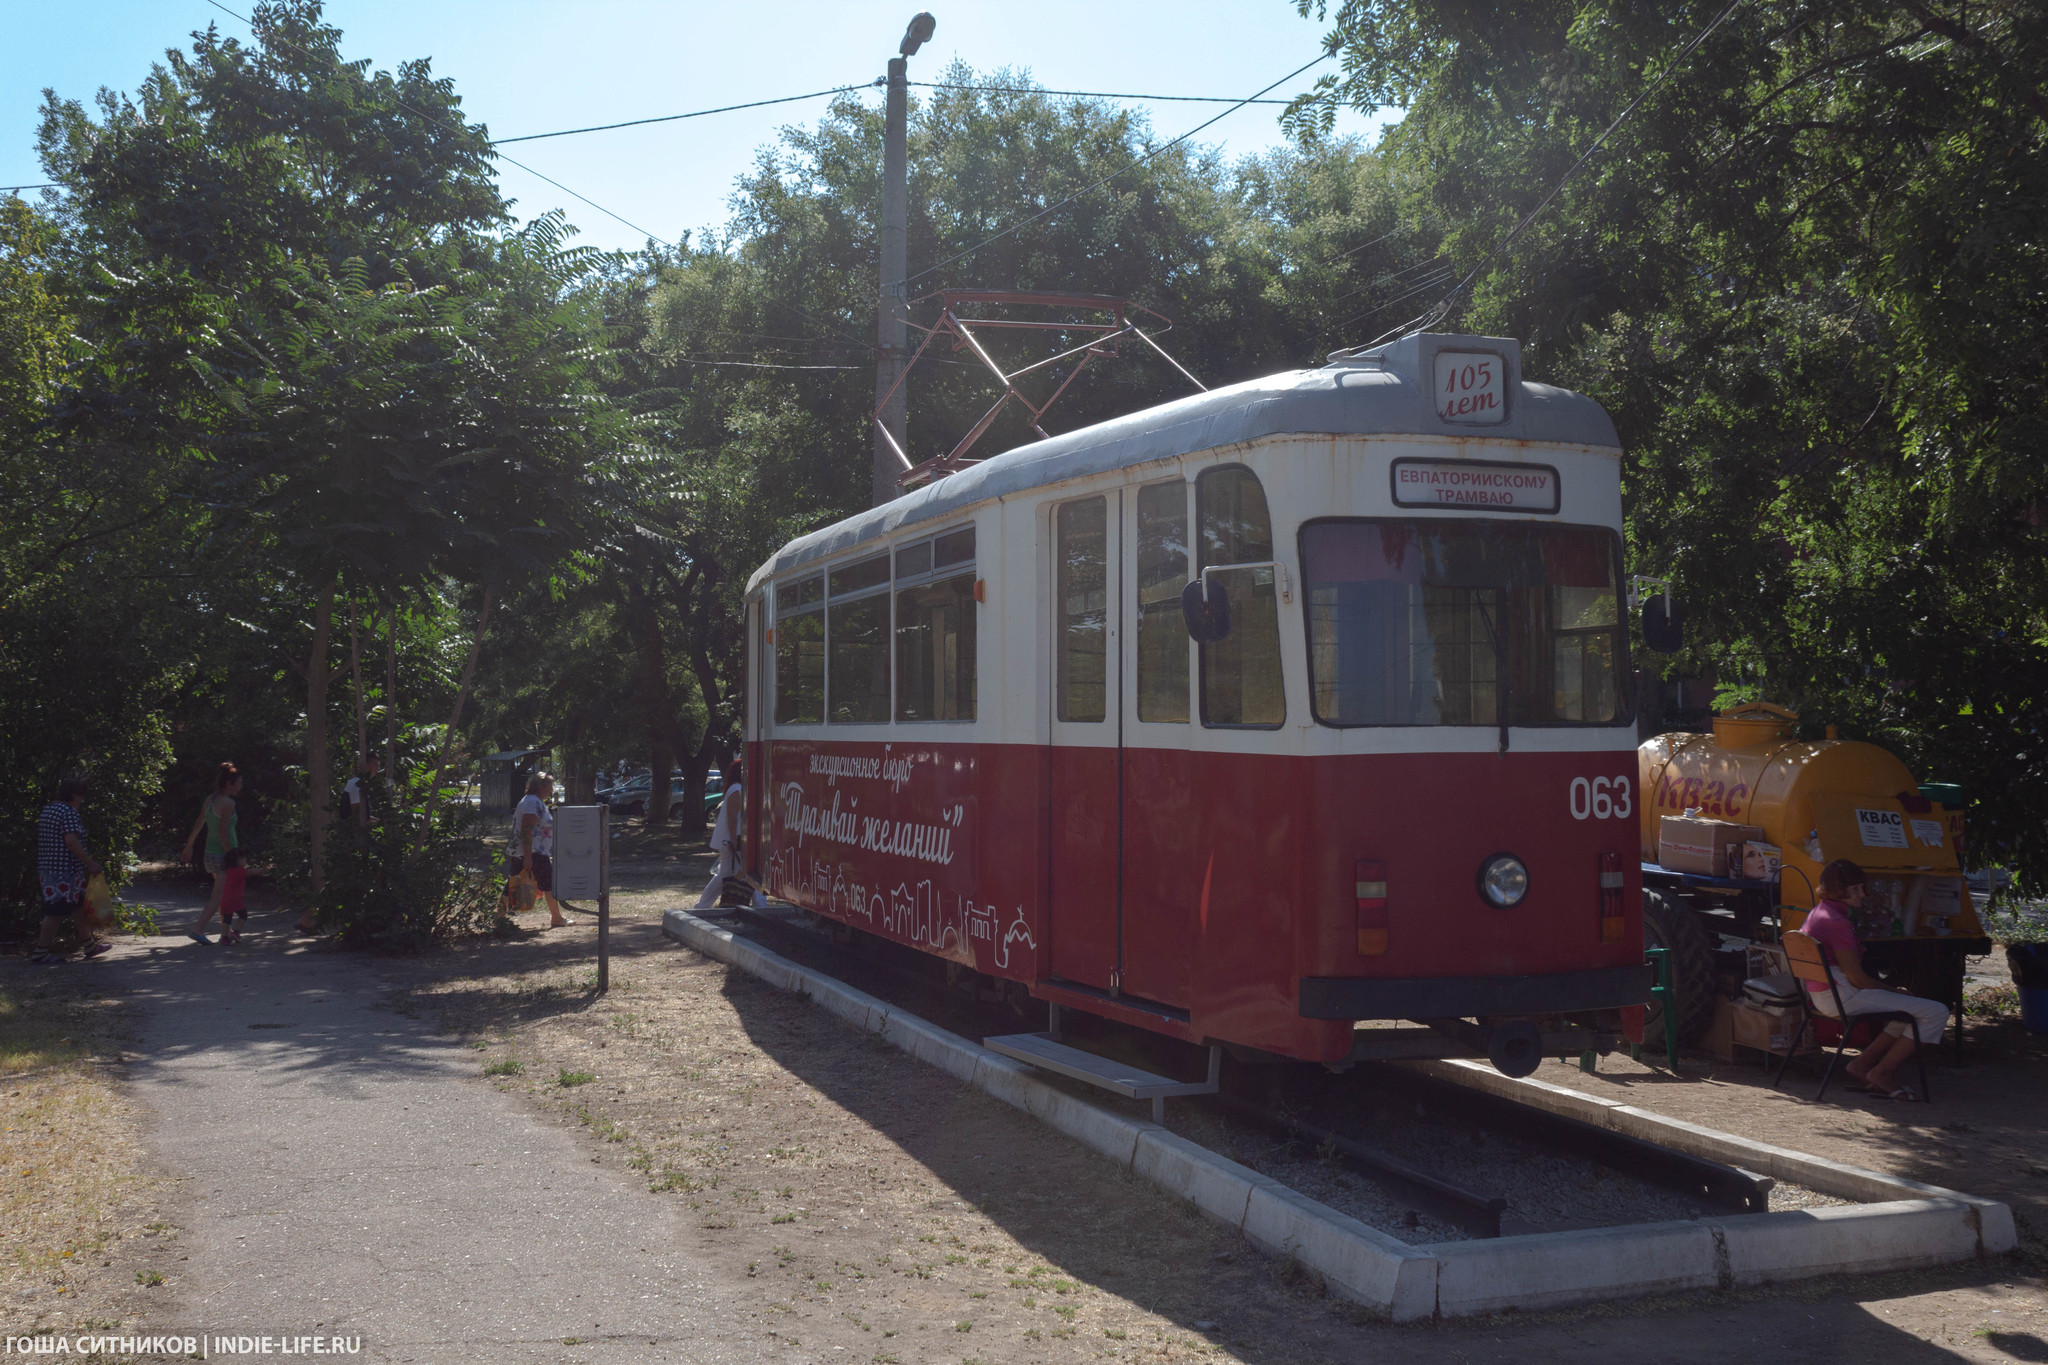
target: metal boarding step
<point>1047,1053</point>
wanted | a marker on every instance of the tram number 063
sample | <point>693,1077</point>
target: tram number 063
<point>1602,798</point>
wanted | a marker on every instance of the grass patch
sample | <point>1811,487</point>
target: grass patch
<point>68,1140</point>
<point>567,1078</point>
<point>511,1066</point>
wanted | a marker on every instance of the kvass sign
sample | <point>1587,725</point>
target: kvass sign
<point>1471,387</point>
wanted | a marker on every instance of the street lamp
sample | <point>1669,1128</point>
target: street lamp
<point>890,328</point>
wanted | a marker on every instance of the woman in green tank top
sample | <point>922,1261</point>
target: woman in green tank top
<point>217,819</point>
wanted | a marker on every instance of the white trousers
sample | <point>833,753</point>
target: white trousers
<point>1931,1015</point>
<point>728,865</point>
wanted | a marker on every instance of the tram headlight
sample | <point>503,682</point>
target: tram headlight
<point>1504,880</point>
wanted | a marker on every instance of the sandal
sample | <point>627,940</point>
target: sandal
<point>198,937</point>
<point>1904,1094</point>
<point>98,946</point>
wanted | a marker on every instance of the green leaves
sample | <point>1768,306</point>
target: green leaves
<point>1806,279</point>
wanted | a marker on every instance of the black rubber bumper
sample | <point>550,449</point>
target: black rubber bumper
<point>1461,997</point>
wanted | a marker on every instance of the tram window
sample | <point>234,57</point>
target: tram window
<point>955,547</point>
<point>914,560</point>
<point>857,643</point>
<point>1083,535</point>
<point>1455,622</point>
<point>800,651</point>
<point>935,620</point>
<point>1162,573</point>
<point>1241,672</point>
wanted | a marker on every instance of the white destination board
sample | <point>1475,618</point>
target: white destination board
<point>579,852</point>
<point>1880,828</point>
<point>1469,483</point>
<point>1471,386</point>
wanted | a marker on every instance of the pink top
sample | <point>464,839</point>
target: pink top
<point>1829,923</point>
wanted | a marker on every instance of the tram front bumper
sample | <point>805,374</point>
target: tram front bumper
<point>1466,997</point>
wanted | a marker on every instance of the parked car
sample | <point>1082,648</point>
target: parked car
<point>630,797</point>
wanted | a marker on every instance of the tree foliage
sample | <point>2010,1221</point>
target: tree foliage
<point>1806,276</point>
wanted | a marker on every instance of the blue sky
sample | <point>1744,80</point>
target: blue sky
<point>525,67</point>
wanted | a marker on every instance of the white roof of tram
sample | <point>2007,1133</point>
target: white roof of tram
<point>1385,392</point>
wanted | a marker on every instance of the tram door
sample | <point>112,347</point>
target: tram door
<point>1087,722</point>
<point>1162,863</point>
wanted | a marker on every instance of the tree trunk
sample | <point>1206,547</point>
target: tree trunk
<point>719,741</point>
<point>657,706</point>
<point>581,782</point>
<point>316,735</point>
<point>355,672</point>
<point>658,799</point>
<point>476,645</point>
<point>391,693</point>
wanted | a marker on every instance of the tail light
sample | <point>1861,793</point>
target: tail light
<point>1372,907</point>
<point>1610,897</point>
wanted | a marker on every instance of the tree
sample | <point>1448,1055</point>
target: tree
<point>298,310</point>
<point>1806,278</point>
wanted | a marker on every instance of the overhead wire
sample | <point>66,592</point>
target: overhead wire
<point>1092,94</point>
<point>695,113</point>
<point>1098,184</point>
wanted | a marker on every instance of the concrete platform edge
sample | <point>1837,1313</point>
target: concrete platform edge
<point>1899,1223</point>
<point>1994,1222</point>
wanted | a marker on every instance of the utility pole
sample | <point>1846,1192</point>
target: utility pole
<point>891,311</point>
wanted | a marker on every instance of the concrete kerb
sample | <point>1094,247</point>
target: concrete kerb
<point>1912,1224</point>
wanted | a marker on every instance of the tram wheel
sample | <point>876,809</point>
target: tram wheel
<point>1670,925</point>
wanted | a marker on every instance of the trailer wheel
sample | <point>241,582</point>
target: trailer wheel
<point>1669,925</point>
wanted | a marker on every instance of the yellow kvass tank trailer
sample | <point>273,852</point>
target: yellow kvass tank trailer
<point>1814,801</point>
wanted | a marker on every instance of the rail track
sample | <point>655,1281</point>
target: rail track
<point>1288,1106</point>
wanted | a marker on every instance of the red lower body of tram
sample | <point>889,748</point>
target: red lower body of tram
<point>1219,896</point>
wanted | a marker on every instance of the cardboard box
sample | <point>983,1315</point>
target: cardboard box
<point>1766,1029</point>
<point>1690,844</point>
<point>1759,861</point>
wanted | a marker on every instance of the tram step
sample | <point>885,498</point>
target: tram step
<point>1106,1073</point>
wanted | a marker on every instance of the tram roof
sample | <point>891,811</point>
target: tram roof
<point>1384,392</point>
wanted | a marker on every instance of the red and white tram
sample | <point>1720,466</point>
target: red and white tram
<point>1400,787</point>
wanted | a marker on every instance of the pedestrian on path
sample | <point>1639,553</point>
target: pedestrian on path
<point>728,838</point>
<point>62,865</point>
<point>533,827</point>
<point>354,809</point>
<point>217,819</point>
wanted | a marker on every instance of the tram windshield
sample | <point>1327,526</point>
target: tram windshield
<point>1436,621</point>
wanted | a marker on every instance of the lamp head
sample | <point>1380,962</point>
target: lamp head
<point>918,34</point>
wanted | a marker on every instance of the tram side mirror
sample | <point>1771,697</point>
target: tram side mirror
<point>1205,606</point>
<point>1663,624</point>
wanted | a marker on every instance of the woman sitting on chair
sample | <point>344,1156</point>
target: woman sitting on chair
<point>1833,924</point>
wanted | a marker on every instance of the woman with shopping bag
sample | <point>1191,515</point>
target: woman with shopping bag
<point>533,843</point>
